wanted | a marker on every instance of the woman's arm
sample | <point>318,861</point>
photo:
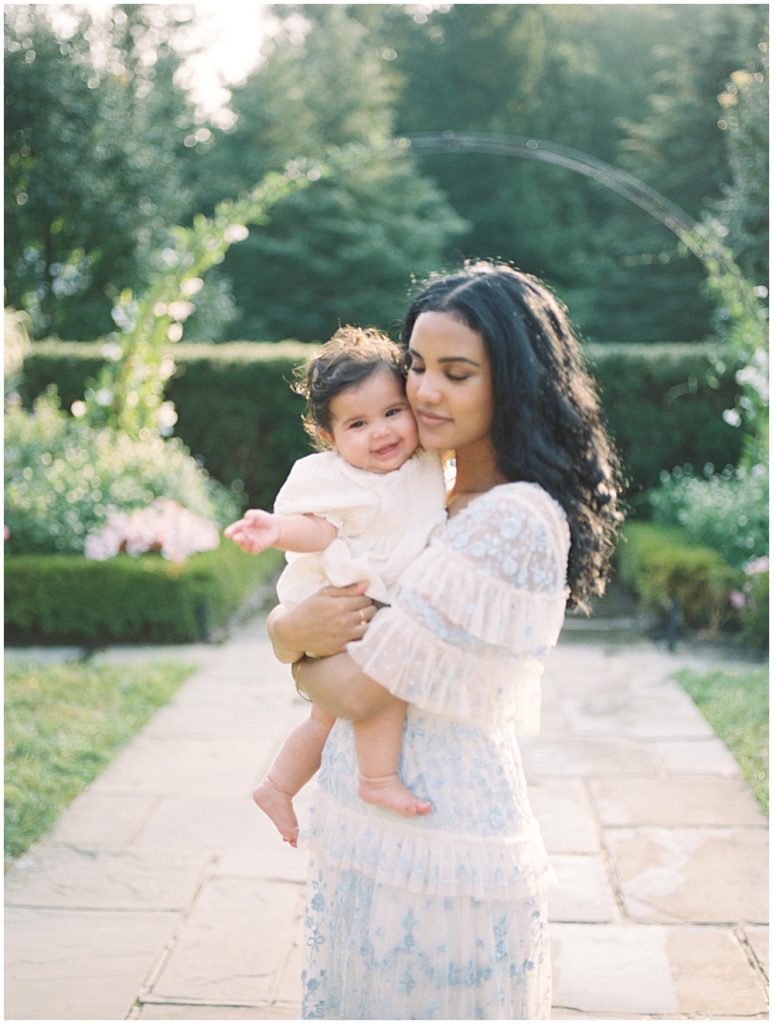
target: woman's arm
<point>324,624</point>
<point>339,686</point>
<point>321,625</point>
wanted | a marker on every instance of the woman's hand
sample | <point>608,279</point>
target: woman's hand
<point>321,625</point>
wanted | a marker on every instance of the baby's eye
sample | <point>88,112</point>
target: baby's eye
<point>396,411</point>
<point>356,424</point>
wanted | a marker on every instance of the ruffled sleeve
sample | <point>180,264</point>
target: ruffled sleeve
<point>323,485</point>
<point>477,612</point>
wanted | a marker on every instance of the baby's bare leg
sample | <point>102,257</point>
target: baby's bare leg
<point>294,765</point>
<point>378,740</point>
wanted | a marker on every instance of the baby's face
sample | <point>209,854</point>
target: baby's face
<point>372,424</point>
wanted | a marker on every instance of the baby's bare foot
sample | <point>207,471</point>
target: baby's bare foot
<point>388,791</point>
<point>278,805</point>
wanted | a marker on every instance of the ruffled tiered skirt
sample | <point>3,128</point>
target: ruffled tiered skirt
<point>441,917</point>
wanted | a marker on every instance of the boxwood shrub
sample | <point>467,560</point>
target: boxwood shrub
<point>69,599</point>
<point>237,412</point>
<point>661,408</point>
<point>661,565</point>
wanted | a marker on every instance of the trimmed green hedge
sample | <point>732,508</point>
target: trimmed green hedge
<point>661,412</point>
<point>660,565</point>
<point>69,599</point>
<point>237,412</point>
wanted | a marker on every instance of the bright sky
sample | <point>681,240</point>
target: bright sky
<point>228,33</point>
<point>231,35</point>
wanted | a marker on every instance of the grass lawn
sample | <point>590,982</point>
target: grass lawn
<point>735,704</point>
<point>63,725</point>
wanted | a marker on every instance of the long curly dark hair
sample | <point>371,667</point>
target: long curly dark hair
<point>547,425</point>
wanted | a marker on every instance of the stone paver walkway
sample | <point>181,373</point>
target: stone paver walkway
<point>163,894</point>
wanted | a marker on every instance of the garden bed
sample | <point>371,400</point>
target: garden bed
<point>147,599</point>
<point>666,571</point>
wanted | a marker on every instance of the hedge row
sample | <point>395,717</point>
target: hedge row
<point>661,566</point>
<point>69,599</point>
<point>237,412</point>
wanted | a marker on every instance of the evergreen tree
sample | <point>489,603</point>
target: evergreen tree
<point>345,249</point>
<point>92,171</point>
<point>634,86</point>
<point>560,73</point>
<point>678,148</point>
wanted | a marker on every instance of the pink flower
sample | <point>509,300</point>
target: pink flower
<point>737,599</point>
<point>164,526</point>
<point>756,566</point>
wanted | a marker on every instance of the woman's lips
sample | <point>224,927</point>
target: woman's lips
<point>431,419</point>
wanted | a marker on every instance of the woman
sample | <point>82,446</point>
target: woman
<point>444,916</point>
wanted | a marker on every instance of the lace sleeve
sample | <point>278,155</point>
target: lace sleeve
<point>478,610</point>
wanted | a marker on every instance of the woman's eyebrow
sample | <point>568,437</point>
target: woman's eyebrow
<point>458,359</point>
<point>446,359</point>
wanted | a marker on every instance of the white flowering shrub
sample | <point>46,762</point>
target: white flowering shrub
<point>165,527</point>
<point>727,511</point>
<point>65,478</point>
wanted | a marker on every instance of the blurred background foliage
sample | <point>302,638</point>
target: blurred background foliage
<point>118,189</point>
<point>105,150</point>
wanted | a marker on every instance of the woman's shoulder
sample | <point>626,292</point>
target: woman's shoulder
<point>521,498</point>
<point>516,532</point>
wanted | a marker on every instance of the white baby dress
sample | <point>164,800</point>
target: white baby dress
<point>444,916</point>
<point>384,521</point>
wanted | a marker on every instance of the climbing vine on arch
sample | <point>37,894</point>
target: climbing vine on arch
<point>128,392</point>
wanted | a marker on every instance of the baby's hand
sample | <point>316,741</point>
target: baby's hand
<point>255,532</point>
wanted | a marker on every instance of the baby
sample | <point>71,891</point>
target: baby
<point>361,510</point>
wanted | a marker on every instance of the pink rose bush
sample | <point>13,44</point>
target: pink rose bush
<point>165,527</point>
<point>64,478</point>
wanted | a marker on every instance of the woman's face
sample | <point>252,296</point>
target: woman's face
<point>449,384</point>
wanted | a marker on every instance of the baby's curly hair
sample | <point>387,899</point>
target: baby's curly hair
<point>351,356</point>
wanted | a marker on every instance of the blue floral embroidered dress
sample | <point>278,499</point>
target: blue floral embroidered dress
<point>443,917</point>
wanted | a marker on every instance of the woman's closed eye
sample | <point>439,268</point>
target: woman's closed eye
<point>457,377</point>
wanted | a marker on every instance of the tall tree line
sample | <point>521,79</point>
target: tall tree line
<point>102,157</point>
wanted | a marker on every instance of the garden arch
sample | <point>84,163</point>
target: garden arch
<point>133,395</point>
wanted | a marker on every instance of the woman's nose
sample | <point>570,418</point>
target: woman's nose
<point>427,390</point>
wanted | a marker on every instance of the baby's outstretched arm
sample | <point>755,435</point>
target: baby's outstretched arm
<point>258,530</point>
